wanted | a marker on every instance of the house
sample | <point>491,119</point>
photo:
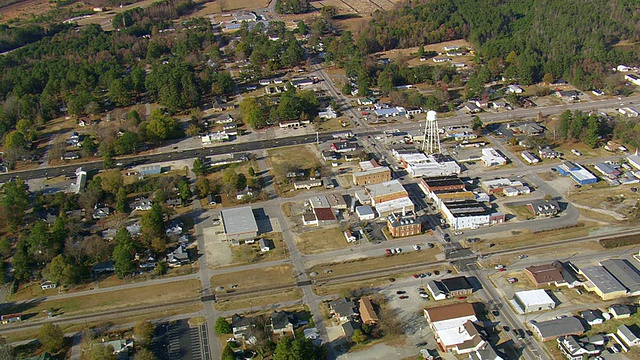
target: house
<point>607,170</point>
<point>544,275</point>
<point>619,311</point>
<point>633,78</point>
<point>628,336</point>
<point>534,300</point>
<point>120,347</point>
<point>529,157</point>
<point>349,327</point>
<point>218,136</point>
<point>46,285</point>
<point>553,329</point>
<point>328,113</point>
<point>513,89</point>
<point>488,353</point>
<point>543,207</point>
<point>10,318</point>
<point>614,146</point>
<point>344,146</point>
<point>343,309</point>
<point>592,317</point>
<point>175,202</point>
<point>629,111</point>
<point>366,101</point>
<point>230,129</point>
<point>391,111</point>
<point>265,245</point>
<point>328,155</point>
<point>307,184</point>
<point>174,228</point>
<point>575,348</point>
<point>104,266</point>
<point>224,119</point>
<point>348,235</point>
<point>220,104</point>
<point>142,204</point>
<point>178,257</point>
<point>150,170</point>
<point>471,107</point>
<point>450,287</point>
<point>134,229</point>
<point>455,328</point>
<point>367,312</point>
<point>240,325</point>
<point>100,212</point>
<point>72,155</point>
<point>547,153</point>
<point>567,94</point>
<point>281,322</point>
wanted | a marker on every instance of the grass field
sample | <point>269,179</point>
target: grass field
<point>248,254</point>
<point>291,158</point>
<point>259,301</point>
<point>252,279</point>
<point>372,263</point>
<point>521,212</point>
<point>120,299</point>
<point>335,124</point>
<point>322,240</point>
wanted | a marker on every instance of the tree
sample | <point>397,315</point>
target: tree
<point>358,336</point>
<point>144,354</point>
<point>299,348</point>
<point>121,200</point>
<point>548,78</point>
<point>107,161</point>
<point>476,124</point>
<point>227,353</point>
<point>252,172</point>
<point>128,143</point>
<point>112,181</point>
<point>6,351</point>
<point>15,141</point>
<point>199,167</point>
<point>123,254</point>
<point>51,337</point>
<point>241,183</point>
<point>101,352</point>
<point>223,326</point>
<point>143,332</point>
<point>185,190</point>
<point>230,180</point>
<point>152,223</point>
<point>203,187</point>
<point>14,203</point>
<point>56,269</point>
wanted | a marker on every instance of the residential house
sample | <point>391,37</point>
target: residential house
<point>46,285</point>
<point>619,311</point>
<point>592,317</point>
<point>174,228</point>
<point>178,257</point>
<point>328,113</point>
<point>632,78</point>
<point>100,212</point>
<point>10,318</point>
<point>240,325</point>
<point>281,322</point>
<point>471,107</point>
<point>349,327</point>
<point>367,312</point>
<point>104,266</point>
<point>571,95</point>
<point>224,119</point>
<point>548,153</point>
<point>627,335</point>
<point>575,348</point>
<point>488,353</point>
<point>72,155</point>
<point>142,204</point>
<point>175,202</point>
<point>513,89</point>
<point>553,329</point>
<point>343,309</point>
<point>265,245</point>
<point>230,129</point>
<point>344,146</point>
<point>221,104</point>
<point>530,157</point>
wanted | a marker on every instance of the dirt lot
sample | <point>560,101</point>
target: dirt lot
<point>283,160</point>
<point>250,253</point>
<point>250,279</point>
<point>618,199</point>
<point>321,240</point>
<point>259,301</point>
<point>154,294</point>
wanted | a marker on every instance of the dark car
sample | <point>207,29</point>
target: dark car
<point>436,272</point>
<point>404,297</point>
<point>495,313</point>
<point>392,279</point>
<point>400,292</point>
<point>506,328</point>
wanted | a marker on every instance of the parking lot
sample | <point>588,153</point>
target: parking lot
<point>177,341</point>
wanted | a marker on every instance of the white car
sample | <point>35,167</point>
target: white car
<point>398,250</point>
<point>458,233</point>
<point>416,247</point>
<point>424,295</point>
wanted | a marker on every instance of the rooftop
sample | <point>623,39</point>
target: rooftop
<point>534,297</point>
<point>324,214</point>
<point>602,279</point>
<point>386,188</point>
<point>394,205</point>
<point>443,181</point>
<point>456,283</point>
<point>449,312</point>
<point>545,274</point>
<point>238,220</point>
<point>627,274</point>
<point>559,327</point>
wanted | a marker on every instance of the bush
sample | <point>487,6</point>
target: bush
<point>223,326</point>
<point>610,243</point>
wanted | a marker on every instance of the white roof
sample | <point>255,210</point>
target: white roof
<point>385,188</point>
<point>452,331</point>
<point>367,165</point>
<point>534,297</point>
<point>395,205</point>
<point>582,173</point>
<point>364,210</point>
<point>375,170</point>
<point>416,158</point>
<point>490,155</point>
<point>319,201</point>
<point>634,160</point>
<point>501,183</point>
<point>238,220</point>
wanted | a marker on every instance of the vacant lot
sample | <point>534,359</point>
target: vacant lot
<point>294,158</point>
<point>337,124</point>
<point>521,212</point>
<point>256,279</point>
<point>120,299</point>
<point>250,253</point>
<point>259,302</point>
<point>322,240</point>
<point>617,199</point>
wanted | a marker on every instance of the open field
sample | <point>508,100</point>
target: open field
<point>114,321</point>
<point>515,239</point>
<point>250,253</point>
<point>147,295</point>
<point>372,263</point>
<point>251,279</point>
<point>335,124</point>
<point>618,199</point>
<point>322,240</point>
<point>259,301</point>
<point>521,212</point>
<point>292,158</point>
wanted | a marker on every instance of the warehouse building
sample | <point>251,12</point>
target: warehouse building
<point>600,281</point>
<point>533,300</point>
<point>627,274</point>
<point>386,191</point>
<point>577,172</point>
<point>239,223</point>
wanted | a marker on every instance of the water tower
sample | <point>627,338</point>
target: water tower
<point>431,137</point>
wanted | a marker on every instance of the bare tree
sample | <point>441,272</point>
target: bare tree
<point>223,5</point>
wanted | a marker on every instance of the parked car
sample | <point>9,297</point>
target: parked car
<point>513,280</point>
<point>404,297</point>
<point>523,256</point>
<point>495,313</point>
<point>458,233</point>
<point>398,250</point>
<point>424,295</point>
<point>401,292</point>
<point>416,247</point>
<point>388,251</point>
<point>415,276</point>
<point>462,297</point>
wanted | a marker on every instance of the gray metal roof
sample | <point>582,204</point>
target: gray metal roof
<point>238,220</point>
<point>602,279</point>
<point>559,327</point>
<point>627,274</point>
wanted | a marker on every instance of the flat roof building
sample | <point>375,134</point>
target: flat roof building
<point>602,283</point>
<point>490,157</point>
<point>394,206</point>
<point>374,175</point>
<point>627,274</point>
<point>442,183</point>
<point>389,190</point>
<point>239,223</point>
<point>534,300</point>
<point>577,172</point>
<point>365,213</point>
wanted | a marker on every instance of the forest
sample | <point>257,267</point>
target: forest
<point>578,41</point>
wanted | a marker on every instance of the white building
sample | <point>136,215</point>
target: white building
<point>490,157</point>
<point>327,114</point>
<point>421,165</point>
<point>403,204</point>
<point>534,300</point>
<point>514,89</point>
<point>365,213</point>
<point>633,78</point>
<point>634,160</point>
<point>215,137</point>
<point>469,214</point>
